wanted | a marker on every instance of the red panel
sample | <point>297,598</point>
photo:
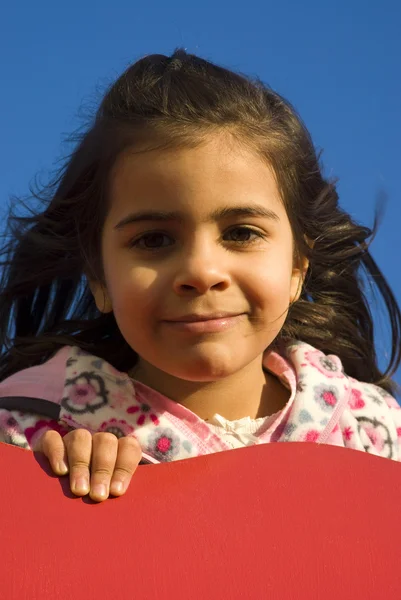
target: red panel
<point>276,521</point>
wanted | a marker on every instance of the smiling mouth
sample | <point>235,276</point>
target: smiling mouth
<point>205,324</point>
<point>193,318</point>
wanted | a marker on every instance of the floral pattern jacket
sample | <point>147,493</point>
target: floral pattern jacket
<point>74,389</point>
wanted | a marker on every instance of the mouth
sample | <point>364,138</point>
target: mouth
<point>212,323</point>
<point>194,318</point>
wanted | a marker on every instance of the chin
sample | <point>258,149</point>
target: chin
<point>202,377</point>
<point>203,370</point>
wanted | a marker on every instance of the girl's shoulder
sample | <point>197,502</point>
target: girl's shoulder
<point>40,381</point>
<point>70,383</point>
<point>313,364</point>
<point>367,417</point>
<point>49,379</point>
<point>316,363</point>
<point>372,421</point>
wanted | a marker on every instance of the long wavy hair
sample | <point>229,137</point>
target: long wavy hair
<point>177,101</point>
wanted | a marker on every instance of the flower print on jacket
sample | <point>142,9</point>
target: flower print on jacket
<point>144,412</point>
<point>326,395</point>
<point>33,434</point>
<point>376,434</point>
<point>163,444</point>
<point>10,431</point>
<point>85,393</point>
<point>118,399</point>
<point>356,401</point>
<point>301,383</point>
<point>330,365</point>
<point>119,428</point>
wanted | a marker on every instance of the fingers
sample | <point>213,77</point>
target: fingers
<point>104,456</point>
<point>98,465</point>
<point>113,463</point>
<point>78,444</point>
<point>52,446</point>
<point>128,458</point>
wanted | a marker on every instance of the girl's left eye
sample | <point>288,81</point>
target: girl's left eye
<point>150,241</point>
<point>244,235</point>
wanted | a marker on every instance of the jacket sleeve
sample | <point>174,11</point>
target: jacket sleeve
<point>25,430</point>
<point>46,382</point>
<point>372,421</point>
<point>11,431</point>
<point>393,410</point>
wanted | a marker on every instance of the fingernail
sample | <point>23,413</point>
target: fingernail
<point>99,490</point>
<point>62,467</point>
<point>81,485</point>
<point>117,487</point>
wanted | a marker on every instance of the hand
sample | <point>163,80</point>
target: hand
<point>98,465</point>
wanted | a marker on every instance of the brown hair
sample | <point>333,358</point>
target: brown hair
<point>45,301</point>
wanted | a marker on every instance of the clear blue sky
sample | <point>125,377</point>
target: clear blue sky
<point>338,62</point>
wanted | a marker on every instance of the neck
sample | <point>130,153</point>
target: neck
<point>250,392</point>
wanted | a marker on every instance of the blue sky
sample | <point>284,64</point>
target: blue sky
<point>338,63</point>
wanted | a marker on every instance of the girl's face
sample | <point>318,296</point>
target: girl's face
<point>191,235</point>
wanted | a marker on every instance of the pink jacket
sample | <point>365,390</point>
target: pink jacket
<point>74,389</point>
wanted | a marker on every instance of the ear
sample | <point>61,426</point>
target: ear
<point>301,265</point>
<point>101,296</point>
<point>297,279</point>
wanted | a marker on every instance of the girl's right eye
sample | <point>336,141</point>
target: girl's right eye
<point>150,241</point>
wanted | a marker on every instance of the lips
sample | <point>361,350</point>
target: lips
<point>202,324</point>
<point>193,318</point>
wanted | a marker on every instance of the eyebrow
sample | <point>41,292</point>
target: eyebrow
<point>216,215</point>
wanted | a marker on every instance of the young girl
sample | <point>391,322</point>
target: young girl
<point>190,286</point>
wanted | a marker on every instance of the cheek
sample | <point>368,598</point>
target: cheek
<point>268,278</point>
<point>133,289</point>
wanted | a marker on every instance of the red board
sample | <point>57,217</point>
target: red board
<point>276,521</point>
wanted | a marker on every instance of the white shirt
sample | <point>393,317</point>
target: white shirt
<point>241,432</point>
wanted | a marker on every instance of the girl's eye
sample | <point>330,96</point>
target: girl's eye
<point>245,234</point>
<point>151,241</point>
<point>157,240</point>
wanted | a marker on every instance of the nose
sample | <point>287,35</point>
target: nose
<point>202,268</point>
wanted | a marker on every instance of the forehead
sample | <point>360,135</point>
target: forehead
<point>218,171</point>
